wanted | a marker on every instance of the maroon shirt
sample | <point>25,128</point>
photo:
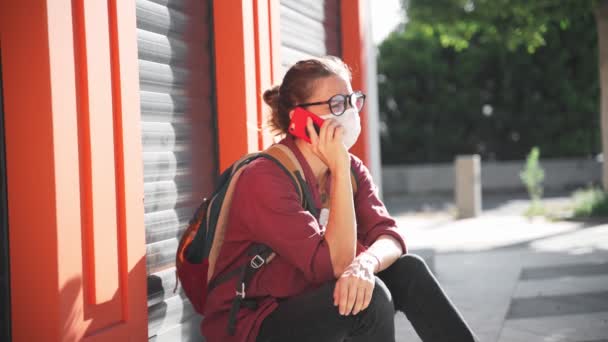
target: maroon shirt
<point>266,209</point>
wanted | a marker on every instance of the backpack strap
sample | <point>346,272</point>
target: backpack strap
<point>246,159</point>
<point>285,158</point>
<point>262,254</point>
<point>226,201</point>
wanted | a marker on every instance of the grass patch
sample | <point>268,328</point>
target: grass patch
<point>536,208</point>
<point>591,202</point>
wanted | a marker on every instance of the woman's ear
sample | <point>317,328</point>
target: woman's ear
<point>290,114</point>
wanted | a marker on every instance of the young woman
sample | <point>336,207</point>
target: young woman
<point>342,275</point>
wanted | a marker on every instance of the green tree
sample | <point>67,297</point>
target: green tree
<point>514,23</point>
<point>438,101</point>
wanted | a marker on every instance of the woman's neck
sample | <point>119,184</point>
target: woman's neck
<point>316,164</point>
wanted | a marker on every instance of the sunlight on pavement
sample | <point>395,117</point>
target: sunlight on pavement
<point>580,242</point>
<point>484,233</point>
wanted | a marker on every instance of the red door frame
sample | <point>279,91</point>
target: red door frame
<point>248,62</point>
<point>77,243</point>
<point>354,52</point>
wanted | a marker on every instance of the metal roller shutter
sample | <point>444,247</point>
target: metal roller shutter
<point>309,28</point>
<point>179,146</point>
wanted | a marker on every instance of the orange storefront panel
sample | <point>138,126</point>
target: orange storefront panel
<point>75,206</point>
<point>354,52</point>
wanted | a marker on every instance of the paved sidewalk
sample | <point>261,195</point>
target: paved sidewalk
<point>515,279</point>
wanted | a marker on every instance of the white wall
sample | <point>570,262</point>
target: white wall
<point>373,119</point>
<point>560,174</point>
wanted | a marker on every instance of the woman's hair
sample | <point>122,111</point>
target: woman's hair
<point>297,87</point>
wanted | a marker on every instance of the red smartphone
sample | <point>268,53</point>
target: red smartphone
<point>297,126</point>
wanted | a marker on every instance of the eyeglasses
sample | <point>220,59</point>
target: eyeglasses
<point>340,102</point>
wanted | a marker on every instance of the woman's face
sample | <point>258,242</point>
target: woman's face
<point>324,89</point>
<point>345,114</point>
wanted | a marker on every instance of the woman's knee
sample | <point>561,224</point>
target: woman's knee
<point>412,264</point>
<point>377,321</point>
<point>382,300</point>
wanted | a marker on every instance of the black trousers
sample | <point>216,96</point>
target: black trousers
<point>407,285</point>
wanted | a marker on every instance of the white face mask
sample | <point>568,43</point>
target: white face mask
<point>352,125</point>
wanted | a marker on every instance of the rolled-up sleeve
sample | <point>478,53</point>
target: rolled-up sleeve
<point>373,220</point>
<point>276,218</point>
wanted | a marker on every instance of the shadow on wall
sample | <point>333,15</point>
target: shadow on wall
<point>332,28</point>
<point>5,296</point>
<point>171,317</point>
<point>80,316</point>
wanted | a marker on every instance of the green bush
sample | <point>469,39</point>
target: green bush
<point>532,176</point>
<point>591,202</point>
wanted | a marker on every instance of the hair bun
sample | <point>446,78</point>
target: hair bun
<point>271,97</point>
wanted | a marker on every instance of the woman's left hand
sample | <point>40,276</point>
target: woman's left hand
<point>354,288</point>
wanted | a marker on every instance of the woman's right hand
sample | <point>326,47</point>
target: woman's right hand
<point>355,286</point>
<point>328,145</point>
